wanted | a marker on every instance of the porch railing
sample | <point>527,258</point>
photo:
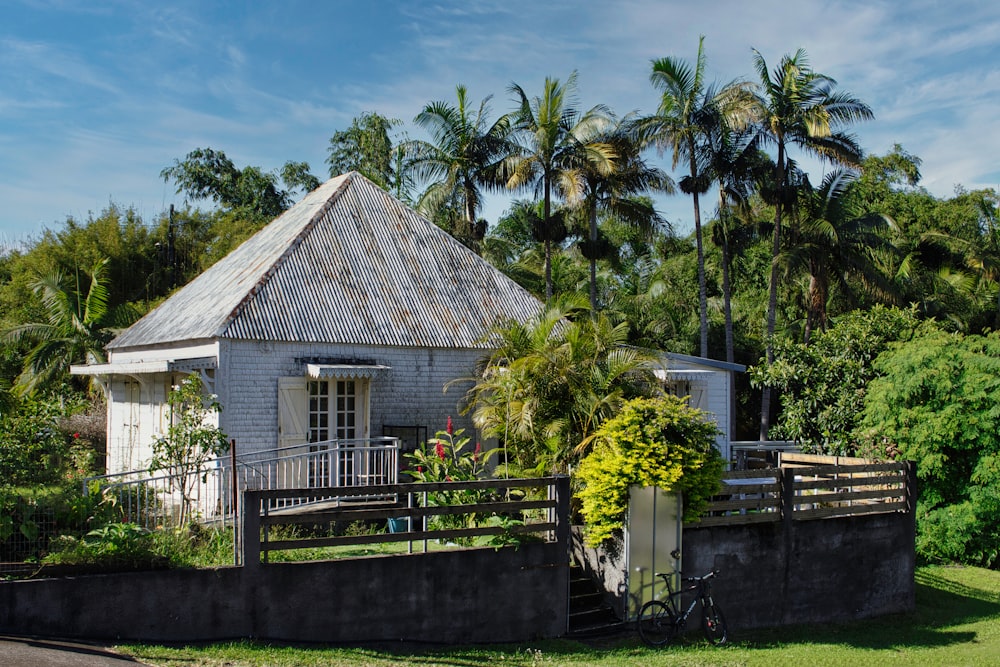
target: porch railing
<point>212,494</point>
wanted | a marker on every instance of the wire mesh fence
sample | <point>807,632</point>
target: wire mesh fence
<point>30,518</point>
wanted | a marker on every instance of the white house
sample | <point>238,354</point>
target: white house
<point>344,318</point>
<point>710,385</point>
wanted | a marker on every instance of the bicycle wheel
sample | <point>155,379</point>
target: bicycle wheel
<point>657,624</point>
<point>713,624</point>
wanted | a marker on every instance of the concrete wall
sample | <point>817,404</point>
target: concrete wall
<point>462,596</point>
<point>816,571</point>
<point>791,572</point>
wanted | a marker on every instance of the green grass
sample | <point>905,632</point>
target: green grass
<point>956,622</point>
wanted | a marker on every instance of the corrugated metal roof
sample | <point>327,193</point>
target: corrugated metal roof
<point>348,264</point>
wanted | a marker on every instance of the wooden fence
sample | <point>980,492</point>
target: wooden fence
<point>518,506</point>
<point>812,487</point>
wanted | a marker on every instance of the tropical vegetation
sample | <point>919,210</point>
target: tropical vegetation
<point>825,287</point>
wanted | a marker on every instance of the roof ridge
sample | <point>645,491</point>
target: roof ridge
<point>303,232</point>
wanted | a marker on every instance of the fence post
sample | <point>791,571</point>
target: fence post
<point>562,512</point>
<point>234,501</point>
<point>911,486</point>
<point>251,529</point>
<point>787,495</point>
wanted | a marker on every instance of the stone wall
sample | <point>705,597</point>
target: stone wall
<point>462,596</point>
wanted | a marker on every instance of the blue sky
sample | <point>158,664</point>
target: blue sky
<point>96,98</point>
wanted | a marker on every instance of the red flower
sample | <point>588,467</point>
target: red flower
<point>76,435</point>
<point>447,478</point>
<point>475,454</point>
<point>420,468</point>
<point>450,428</point>
<point>439,450</point>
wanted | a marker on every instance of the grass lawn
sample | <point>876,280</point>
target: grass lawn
<point>956,622</point>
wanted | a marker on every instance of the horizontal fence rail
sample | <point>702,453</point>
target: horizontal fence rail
<point>812,487</point>
<point>747,496</point>
<point>440,511</point>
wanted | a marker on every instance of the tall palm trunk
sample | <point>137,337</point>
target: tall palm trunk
<point>702,288</point>
<point>772,295</point>
<point>819,290</point>
<point>727,289</point>
<point>548,240</point>
<point>593,257</point>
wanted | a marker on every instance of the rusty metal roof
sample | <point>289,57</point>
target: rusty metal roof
<point>347,264</point>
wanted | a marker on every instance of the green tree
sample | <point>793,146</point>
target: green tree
<point>79,324</point>
<point>823,383</point>
<point>796,106</point>
<point>936,402</point>
<point>553,137</point>
<point>248,193</point>
<point>837,245</point>
<point>616,193</point>
<point>462,160</point>
<point>737,166</point>
<point>368,148</point>
<point>688,110</point>
<point>249,197</point>
<point>190,442</point>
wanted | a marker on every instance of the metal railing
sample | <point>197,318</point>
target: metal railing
<point>212,494</point>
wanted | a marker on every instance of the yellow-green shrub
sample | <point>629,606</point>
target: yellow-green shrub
<point>658,442</point>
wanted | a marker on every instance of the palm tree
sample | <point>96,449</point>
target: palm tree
<point>615,193</point>
<point>834,243</point>
<point>687,111</point>
<point>737,166</point>
<point>796,106</point>
<point>551,382</point>
<point>552,138</point>
<point>79,325</point>
<point>462,160</point>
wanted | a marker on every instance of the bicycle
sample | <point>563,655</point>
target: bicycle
<point>661,619</point>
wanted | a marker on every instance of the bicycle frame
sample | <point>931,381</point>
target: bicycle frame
<point>674,598</point>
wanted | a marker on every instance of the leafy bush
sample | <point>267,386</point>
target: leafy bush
<point>127,546</point>
<point>660,442</point>
<point>937,402</point>
<point>33,450</point>
<point>31,517</point>
<point>822,385</point>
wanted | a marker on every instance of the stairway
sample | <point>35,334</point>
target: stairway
<point>589,614</point>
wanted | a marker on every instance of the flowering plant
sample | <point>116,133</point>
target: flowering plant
<point>447,458</point>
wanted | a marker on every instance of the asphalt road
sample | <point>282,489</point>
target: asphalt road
<point>32,652</point>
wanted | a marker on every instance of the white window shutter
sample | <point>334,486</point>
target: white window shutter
<point>293,411</point>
